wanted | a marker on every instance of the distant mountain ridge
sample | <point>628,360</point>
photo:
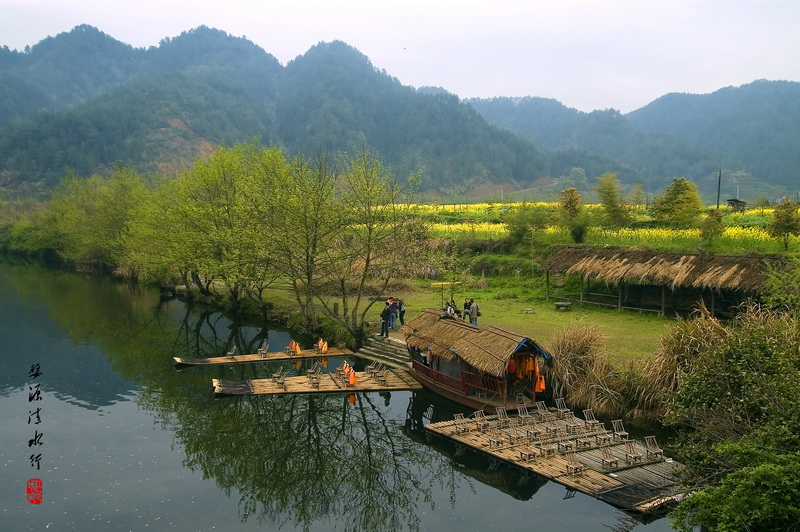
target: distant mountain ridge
<point>82,102</point>
<point>751,132</point>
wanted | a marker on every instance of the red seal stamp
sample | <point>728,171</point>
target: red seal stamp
<point>34,491</point>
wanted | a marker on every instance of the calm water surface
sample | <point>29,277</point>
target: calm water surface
<point>124,441</point>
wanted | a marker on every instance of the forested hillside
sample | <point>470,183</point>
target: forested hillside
<point>758,124</point>
<point>82,102</point>
<point>752,133</point>
<point>165,105</point>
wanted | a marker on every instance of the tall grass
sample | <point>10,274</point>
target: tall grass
<point>580,371</point>
<point>678,352</point>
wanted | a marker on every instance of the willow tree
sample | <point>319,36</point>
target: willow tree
<point>373,242</point>
<point>87,219</point>
<point>202,225</point>
<point>302,218</point>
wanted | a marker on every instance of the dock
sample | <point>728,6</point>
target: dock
<point>581,455</point>
<point>267,357</point>
<point>391,380</point>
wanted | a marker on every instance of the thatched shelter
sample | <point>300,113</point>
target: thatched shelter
<point>486,349</point>
<point>621,267</point>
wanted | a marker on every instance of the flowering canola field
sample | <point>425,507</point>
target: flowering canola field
<point>734,240</point>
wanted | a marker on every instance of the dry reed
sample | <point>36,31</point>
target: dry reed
<point>678,351</point>
<point>580,371</point>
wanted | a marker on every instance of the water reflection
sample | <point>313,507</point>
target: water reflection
<point>282,462</point>
<point>48,307</point>
<point>425,407</point>
<point>300,459</point>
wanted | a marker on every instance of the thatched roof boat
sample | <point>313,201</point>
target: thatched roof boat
<point>471,362</point>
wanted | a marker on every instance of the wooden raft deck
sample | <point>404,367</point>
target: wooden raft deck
<point>269,357</point>
<point>642,486</point>
<point>396,379</point>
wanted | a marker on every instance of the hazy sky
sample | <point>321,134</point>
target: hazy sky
<point>588,54</point>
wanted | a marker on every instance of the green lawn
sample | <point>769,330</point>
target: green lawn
<point>630,335</point>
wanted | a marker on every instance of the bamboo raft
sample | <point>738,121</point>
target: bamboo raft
<point>267,357</point>
<point>594,461</point>
<point>392,380</point>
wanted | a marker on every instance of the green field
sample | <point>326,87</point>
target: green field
<point>630,335</point>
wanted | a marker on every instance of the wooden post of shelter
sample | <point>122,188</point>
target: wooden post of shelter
<point>547,284</point>
<point>587,283</point>
<point>663,300</point>
<point>619,296</point>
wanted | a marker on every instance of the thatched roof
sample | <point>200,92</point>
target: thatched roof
<point>747,273</point>
<point>485,348</point>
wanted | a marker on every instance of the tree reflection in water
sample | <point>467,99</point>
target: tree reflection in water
<point>308,458</point>
<point>297,459</point>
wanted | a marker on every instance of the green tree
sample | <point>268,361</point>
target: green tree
<point>712,227</point>
<point>215,232</point>
<point>153,253</point>
<point>87,220</point>
<point>679,205</point>
<point>637,197</point>
<point>303,218</point>
<point>737,407</point>
<point>570,204</point>
<point>374,240</point>
<point>612,200</point>
<point>785,222</point>
<point>525,220</point>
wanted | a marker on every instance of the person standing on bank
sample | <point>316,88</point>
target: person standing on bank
<point>401,311</point>
<point>385,316</point>
<point>393,309</point>
<point>466,309</point>
<point>474,312</point>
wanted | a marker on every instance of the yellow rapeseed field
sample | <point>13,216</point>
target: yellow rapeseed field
<point>733,239</point>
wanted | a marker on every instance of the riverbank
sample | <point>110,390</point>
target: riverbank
<point>630,336</point>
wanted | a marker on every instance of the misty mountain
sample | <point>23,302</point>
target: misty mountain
<point>751,133</point>
<point>757,123</point>
<point>169,104</point>
<point>83,102</point>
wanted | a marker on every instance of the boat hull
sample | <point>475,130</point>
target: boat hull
<point>487,404</point>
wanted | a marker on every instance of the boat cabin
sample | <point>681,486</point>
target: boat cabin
<point>481,367</point>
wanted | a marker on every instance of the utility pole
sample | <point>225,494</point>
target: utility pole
<point>719,185</point>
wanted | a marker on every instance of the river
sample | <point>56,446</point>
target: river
<point>91,405</point>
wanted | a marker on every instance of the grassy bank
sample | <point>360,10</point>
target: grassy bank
<point>630,336</point>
